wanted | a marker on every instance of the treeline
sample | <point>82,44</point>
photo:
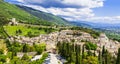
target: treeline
<point>86,54</point>
<point>28,31</point>
<point>33,34</point>
<point>3,21</point>
<point>10,49</point>
<point>111,34</point>
<point>92,32</point>
<point>39,22</point>
<point>70,52</point>
<point>15,47</point>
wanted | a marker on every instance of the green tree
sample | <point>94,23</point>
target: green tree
<point>29,34</point>
<point>90,46</point>
<point>83,51</point>
<point>25,57</point>
<point>103,51</point>
<point>100,57</point>
<point>26,48</point>
<point>106,56</point>
<point>78,54</point>
<point>3,58</point>
<point>90,60</point>
<point>19,31</point>
<point>71,52</point>
<point>31,49</point>
<point>103,54</point>
<point>40,47</point>
<point>8,44</point>
<point>118,57</point>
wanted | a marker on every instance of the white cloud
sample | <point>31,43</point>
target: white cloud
<point>73,10</point>
<point>33,1</point>
<point>82,9</point>
<point>67,13</point>
<point>37,7</point>
<point>20,0</point>
<point>83,3</point>
<point>86,3</point>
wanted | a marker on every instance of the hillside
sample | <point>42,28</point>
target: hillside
<point>12,11</point>
<point>44,16</point>
<point>82,24</point>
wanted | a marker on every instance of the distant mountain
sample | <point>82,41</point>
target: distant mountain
<point>82,24</point>
<point>96,25</point>
<point>44,16</point>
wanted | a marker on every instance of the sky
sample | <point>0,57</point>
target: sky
<point>98,11</point>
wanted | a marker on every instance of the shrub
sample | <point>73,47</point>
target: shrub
<point>90,46</point>
<point>25,57</point>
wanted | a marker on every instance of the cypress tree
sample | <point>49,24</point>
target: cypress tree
<point>107,57</point>
<point>100,57</point>
<point>71,53</point>
<point>76,51</point>
<point>94,53</point>
<point>25,48</point>
<point>103,55</point>
<point>83,50</point>
<point>118,57</point>
<point>103,51</point>
<point>79,54</point>
<point>67,49</point>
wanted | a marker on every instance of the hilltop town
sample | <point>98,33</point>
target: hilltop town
<point>75,36</point>
<point>51,43</point>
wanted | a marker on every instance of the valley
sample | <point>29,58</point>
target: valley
<point>30,36</point>
<point>49,38</point>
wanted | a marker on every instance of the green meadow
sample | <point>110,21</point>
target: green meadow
<point>30,31</point>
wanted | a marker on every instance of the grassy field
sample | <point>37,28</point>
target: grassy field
<point>25,30</point>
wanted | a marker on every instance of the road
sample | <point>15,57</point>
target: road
<point>52,59</point>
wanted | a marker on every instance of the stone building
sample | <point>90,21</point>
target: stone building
<point>13,22</point>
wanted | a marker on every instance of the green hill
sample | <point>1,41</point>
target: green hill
<point>29,15</point>
<point>8,11</point>
<point>44,16</point>
<point>12,11</point>
<point>26,15</point>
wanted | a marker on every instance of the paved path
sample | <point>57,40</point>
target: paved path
<point>36,57</point>
<point>52,59</point>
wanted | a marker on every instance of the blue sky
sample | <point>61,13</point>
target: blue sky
<point>104,11</point>
<point>110,8</point>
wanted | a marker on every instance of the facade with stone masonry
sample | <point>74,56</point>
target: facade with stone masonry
<point>13,22</point>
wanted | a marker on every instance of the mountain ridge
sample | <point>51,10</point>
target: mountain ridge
<point>44,15</point>
<point>10,11</point>
<point>94,25</point>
